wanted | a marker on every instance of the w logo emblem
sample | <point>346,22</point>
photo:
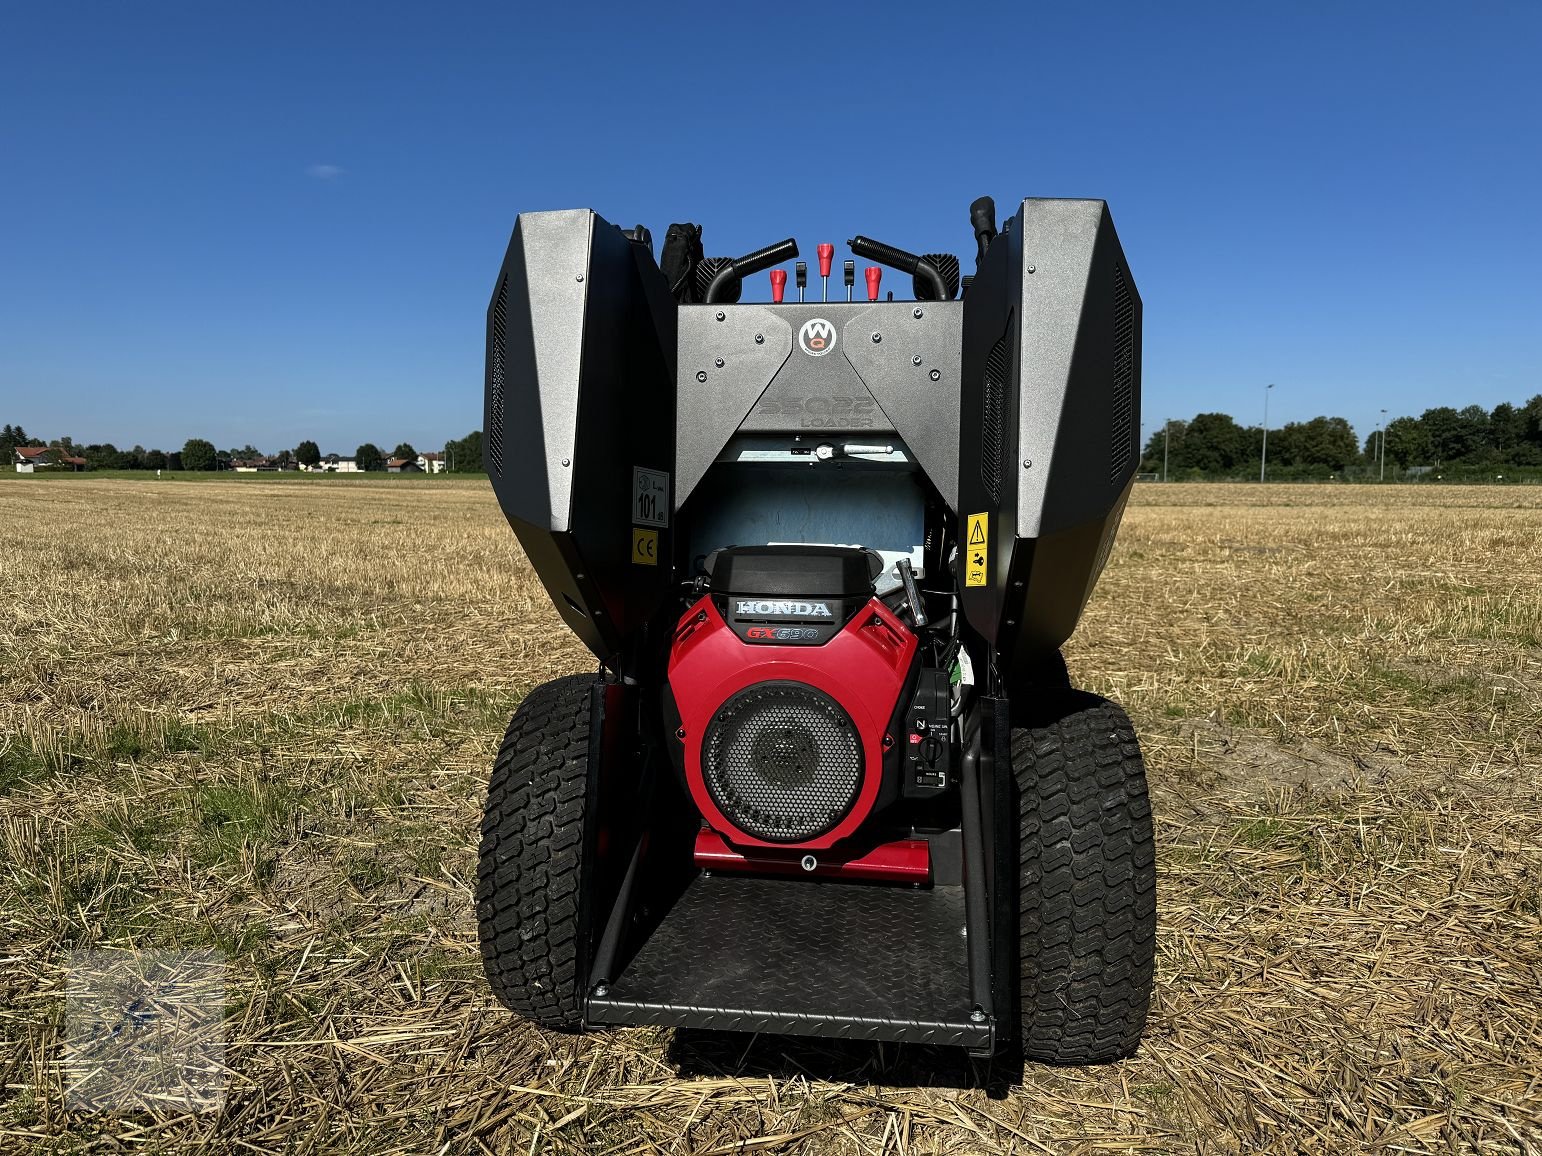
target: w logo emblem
<point>817,337</point>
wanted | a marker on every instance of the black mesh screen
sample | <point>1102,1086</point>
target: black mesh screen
<point>993,432</point>
<point>495,421</point>
<point>1122,448</point>
<point>782,761</point>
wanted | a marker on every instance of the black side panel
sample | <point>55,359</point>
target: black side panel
<point>1051,412</point>
<point>579,392</point>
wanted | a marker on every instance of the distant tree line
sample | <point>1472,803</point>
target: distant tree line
<point>462,455</point>
<point>1213,445</point>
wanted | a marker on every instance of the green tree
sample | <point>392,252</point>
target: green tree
<point>464,455</point>
<point>1408,443</point>
<point>198,454</point>
<point>308,454</point>
<point>1215,443</point>
<point>1324,442</point>
<point>369,457</point>
<point>155,460</point>
<point>405,451</point>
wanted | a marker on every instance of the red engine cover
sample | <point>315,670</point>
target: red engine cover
<point>863,668</point>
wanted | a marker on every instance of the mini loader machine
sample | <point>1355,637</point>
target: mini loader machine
<point>831,777</point>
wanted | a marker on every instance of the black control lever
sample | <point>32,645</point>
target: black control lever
<point>905,262</point>
<point>982,215</point>
<point>741,267</point>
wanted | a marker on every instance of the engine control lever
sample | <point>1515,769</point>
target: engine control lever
<point>907,578</point>
<point>905,262</point>
<point>741,267</point>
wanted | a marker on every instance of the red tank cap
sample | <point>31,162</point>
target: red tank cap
<point>826,255</point>
<point>874,274</point>
<point>778,284</point>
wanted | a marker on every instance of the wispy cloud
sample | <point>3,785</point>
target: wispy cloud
<point>324,172</point>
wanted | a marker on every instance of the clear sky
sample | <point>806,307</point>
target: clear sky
<point>267,222</point>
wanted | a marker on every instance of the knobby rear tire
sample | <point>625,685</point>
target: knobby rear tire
<point>1088,881</point>
<point>530,867</point>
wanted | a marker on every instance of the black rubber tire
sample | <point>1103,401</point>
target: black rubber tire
<point>1087,896</point>
<point>529,885</point>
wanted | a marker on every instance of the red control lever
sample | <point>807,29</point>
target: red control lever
<point>826,255</point>
<point>874,274</point>
<point>778,284</point>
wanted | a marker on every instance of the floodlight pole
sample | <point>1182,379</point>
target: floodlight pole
<point>1383,454</point>
<point>1263,461</point>
<point>1166,430</point>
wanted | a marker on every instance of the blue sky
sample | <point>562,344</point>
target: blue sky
<point>271,222</point>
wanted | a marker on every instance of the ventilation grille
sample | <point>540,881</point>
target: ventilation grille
<point>782,761</point>
<point>495,416</point>
<point>1122,449</point>
<point>993,419</point>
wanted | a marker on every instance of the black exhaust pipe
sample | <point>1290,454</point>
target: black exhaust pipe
<point>737,270</point>
<point>918,267</point>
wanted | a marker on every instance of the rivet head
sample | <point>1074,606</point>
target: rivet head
<point>1027,463</point>
<point>721,315</point>
<point>567,461</point>
<point>718,363</point>
<point>916,360</point>
<point>760,339</point>
<point>877,337</point>
<point>1031,268</point>
<point>580,277</point>
<point>916,313</point>
<point>936,375</point>
<point>701,375</point>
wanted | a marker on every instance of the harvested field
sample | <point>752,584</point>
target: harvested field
<point>254,718</point>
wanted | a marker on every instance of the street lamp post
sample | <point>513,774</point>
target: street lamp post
<point>1263,461</point>
<point>1383,455</point>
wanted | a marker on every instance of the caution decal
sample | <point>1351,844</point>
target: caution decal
<point>977,547</point>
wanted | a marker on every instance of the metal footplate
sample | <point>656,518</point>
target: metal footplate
<point>847,960</point>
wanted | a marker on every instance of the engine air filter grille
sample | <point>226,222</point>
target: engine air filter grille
<point>782,761</point>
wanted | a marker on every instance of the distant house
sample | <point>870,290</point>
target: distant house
<point>403,466</point>
<point>431,463</point>
<point>337,464</point>
<point>253,465</point>
<point>29,459</point>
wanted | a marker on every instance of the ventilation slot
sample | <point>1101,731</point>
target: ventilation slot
<point>1122,448</point>
<point>993,421</point>
<point>495,417</point>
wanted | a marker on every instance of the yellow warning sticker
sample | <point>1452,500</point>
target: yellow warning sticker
<point>977,545</point>
<point>645,547</point>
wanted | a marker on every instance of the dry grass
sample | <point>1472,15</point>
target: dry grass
<point>255,717</point>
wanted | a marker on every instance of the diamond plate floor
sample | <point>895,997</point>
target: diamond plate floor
<point>739,953</point>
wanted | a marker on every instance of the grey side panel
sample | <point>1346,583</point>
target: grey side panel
<point>1051,412</point>
<point>531,411</point>
<point>714,399</point>
<point>580,372</point>
<point>897,370</point>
